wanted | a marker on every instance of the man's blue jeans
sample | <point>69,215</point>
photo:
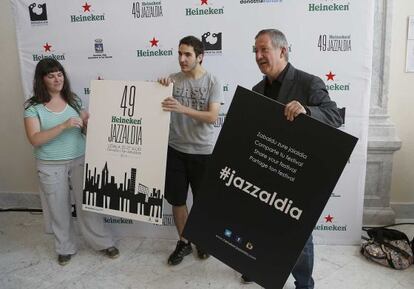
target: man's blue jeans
<point>302,272</point>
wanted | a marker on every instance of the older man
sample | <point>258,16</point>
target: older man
<point>302,93</point>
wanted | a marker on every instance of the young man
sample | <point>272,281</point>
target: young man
<point>194,107</point>
<point>302,93</point>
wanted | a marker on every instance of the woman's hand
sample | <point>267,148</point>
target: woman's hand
<point>84,115</point>
<point>73,122</point>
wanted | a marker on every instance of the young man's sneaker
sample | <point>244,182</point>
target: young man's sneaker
<point>245,280</point>
<point>111,252</point>
<point>64,259</point>
<point>202,254</point>
<point>181,250</point>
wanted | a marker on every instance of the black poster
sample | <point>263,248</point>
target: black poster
<point>267,184</point>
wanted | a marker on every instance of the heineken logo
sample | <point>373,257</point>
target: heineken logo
<point>154,42</point>
<point>329,225</point>
<point>86,7</point>
<point>154,50</point>
<point>149,53</point>
<point>38,57</point>
<point>48,48</point>
<point>324,7</point>
<point>336,86</point>
<point>328,219</point>
<point>87,18</point>
<point>111,220</point>
<point>88,15</point>
<point>330,77</point>
<point>332,228</point>
<point>204,9</point>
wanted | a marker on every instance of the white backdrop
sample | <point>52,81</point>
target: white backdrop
<point>137,40</point>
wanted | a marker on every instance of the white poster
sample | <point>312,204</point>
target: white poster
<point>126,149</point>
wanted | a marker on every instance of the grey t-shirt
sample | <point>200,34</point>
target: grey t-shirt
<point>188,135</point>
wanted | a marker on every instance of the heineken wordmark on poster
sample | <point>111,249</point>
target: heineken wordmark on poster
<point>126,149</point>
<point>267,183</point>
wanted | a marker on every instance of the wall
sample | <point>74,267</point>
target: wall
<point>17,170</point>
<point>401,104</point>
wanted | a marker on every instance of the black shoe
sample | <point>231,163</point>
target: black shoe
<point>181,250</point>
<point>111,252</point>
<point>64,259</point>
<point>201,254</point>
<point>245,280</point>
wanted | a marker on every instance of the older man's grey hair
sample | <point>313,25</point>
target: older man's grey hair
<point>278,39</point>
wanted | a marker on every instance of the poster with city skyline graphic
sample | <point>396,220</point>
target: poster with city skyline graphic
<point>126,150</point>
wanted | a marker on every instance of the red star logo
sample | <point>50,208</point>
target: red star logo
<point>328,219</point>
<point>86,7</point>
<point>47,47</point>
<point>154,42</point>
<point>204,2</point>
<point>330,76</point>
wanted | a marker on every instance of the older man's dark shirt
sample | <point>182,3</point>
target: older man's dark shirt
<point>272,89</point>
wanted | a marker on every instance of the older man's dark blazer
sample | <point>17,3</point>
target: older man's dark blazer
<point>310,91</point>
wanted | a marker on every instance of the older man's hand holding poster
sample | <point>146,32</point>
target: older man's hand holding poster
<point>126,150</point>
<point>268,182</point>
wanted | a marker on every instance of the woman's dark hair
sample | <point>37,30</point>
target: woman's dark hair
<point>40,93</point>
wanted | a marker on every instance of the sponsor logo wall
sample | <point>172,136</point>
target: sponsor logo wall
<point>137,40</point>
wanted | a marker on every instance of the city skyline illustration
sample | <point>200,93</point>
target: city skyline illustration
<point>130,196</point>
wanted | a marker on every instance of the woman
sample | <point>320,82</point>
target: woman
<point>54,120</point>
